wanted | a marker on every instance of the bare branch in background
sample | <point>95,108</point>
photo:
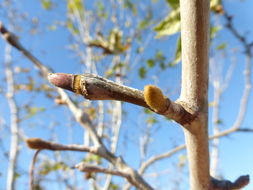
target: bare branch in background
<point>81,117</point>
<point>14,120</point>
<point>83,167</point>
<point>219,84</point>
<point>153,159</point>
<point>236,127</point>
<point>32,169</point>
<point>247,78</point>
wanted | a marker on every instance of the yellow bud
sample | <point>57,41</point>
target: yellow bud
<point>154,98</point>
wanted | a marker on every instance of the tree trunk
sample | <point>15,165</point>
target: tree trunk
<point>194,94</point>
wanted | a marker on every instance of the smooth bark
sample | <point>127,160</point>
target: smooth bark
<point>194,90</point>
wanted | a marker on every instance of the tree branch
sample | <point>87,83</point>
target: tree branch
<point>154,159</point>
<point>84,167</point>
<point>31,170</point>
<point>94,87</point>
<point>247,77</point>
<point>14,120</point>
<point>40,144</point>
<point>135,178</point>
<point>237,35</point>
<point>239,183</point>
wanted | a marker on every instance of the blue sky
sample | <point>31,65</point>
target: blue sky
<point>50,47</point>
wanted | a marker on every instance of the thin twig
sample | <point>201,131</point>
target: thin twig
<point>31,170</point>
<point>152,160</point>
<point>237,35</point>
<point>84,167</point>
<point>39,144</point>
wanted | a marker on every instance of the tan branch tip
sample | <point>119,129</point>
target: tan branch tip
<point>37,143</point>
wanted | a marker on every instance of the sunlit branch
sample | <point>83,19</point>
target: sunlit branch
<point>94,87</point>
<point>156,158</point>
<point>14,124</point>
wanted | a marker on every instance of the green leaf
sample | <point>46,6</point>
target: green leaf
<point>159,56</point>
<point>109,73</point>
<point>72,27</point>
<point>118,65</point>
<point>219,122</point>
<point>75,5</point>
<point>221,46</point>
<point>31,111</point>
<point>151,120</point>
<point>174,4</point>
<point>146,22</point>
<point>170,25</point>
<point>46,4</point>
<point>93,158</point>
<point>216,6</point>
<point>101,10</point>
<point>47,167</point>
<point>147,111</point>
<point>182,159</point>
<point>162,65</point>
<point>215,3</point>
<point>178,54</point>
<point>213,31</point>
<point>52,27</point>
<point>113,187</point>
<point>139,50</point>
<point>150,63</point>
<point>131,6</point>
<point>113,44</point>
<point>16,175</point>
<point>142,72</point>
